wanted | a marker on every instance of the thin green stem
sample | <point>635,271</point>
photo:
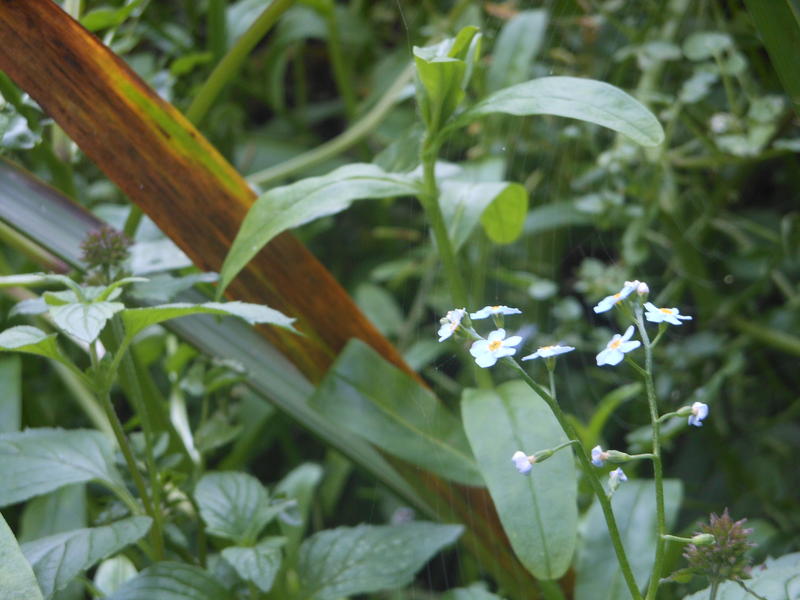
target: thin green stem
<point>712,595</point>
<point>229,66</point>
<point>589,471</point>
<point>655,576</point>
<point>341,142</point>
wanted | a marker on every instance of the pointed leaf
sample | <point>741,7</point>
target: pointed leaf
<point>259,564</point>
<point>38,461</point>
<point>16,575</point>
<point>84,320</point>
<point>58,558</point>
<point>372,399</point>
<point>30,340</point>
<point>500,206</point>
<point>519,42</point>
<point>575,98</point>
<point>233,505</point>
<point>172,581</point>
<point>36,279</point>
<point>539,511</point>
<point>293,205</point>
<point>137,319</point>
<point>298,485</point>
<point>365,559</point>
<point>634,506</point>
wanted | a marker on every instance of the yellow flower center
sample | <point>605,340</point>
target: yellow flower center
<point>546,347</point>
<point>495,345</point>
<point>495,308</point>
<point>615,344</point>
<point>618,295</point>
<point>667,311</point>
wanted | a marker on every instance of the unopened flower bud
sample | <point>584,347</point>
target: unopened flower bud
<point>703,539</point>
<point>616,457</point>
<point>642,289</point>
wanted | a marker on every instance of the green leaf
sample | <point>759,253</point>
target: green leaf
<point>84,320</point>
<point>61,510</point>
<point>138,319</point>
<point>438,88</point>
<point>575,98</point>
<point>36,279</point>
<point>259,564</point>
<point>370,398</point>
<point>777,578</point>
<point>539,512</point>
<point>38,461</point>
<point>10,393</point>
<point>518,43</point>
<point>499,206</point>
<point>233,505</point>
<point>778,22</point>
<point>470,593</point>
<point>703,45</point>
<point>16,575</point>
<point>105,18</point>
<point>172,581</point>
<point>299,485</point>
<point>58,558</point>
<point>634,506</point>
<point>164,287</point>
<point>112,573</point>
<point>366,559</point>
<point>283,208</point>
<point>30,340</point>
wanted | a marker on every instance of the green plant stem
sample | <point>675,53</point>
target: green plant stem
<point>229,66</point>
<point>341,142</point>
<point>588,470</point>
<point>655,575</point>
<point>712,595</point>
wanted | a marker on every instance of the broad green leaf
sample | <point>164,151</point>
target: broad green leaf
<point>299,485</point>
<point>104,18</point>
<point>112,573</point>
<point>172,581</point>
<point>36,279</point>
<point>439,89</point>
<point>164,287</point>
<point>777,578</point>
<point>539,512</point>
<point>137,319</point>
<point>499,206</point>
<point>84,320</point>
<point>30,340</point>
<point>61,510</point>
<point>233,505</point>
<point>575,98</point>
<point>366,559</point>
<point>113,290</point>
<point>58,558</point>
<point>259,564</point>
<point>518,43</point>
<point>16,576</point>
<point>634,506</point>
<point>38,461</point>
<point>293,205</point>
<point>371,398</point>
<point>10,394</point>
<point>703,45</point>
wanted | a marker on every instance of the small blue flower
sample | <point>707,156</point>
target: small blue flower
<point>699,412</point>
<point>616,476</point>
<point>486,352</point>
<point>522,462</point>
<point>664,315</point>
<point>490,311</point>
<point>451,322</point>
<point>598,456</point>
<point>611,301</point>
<point>617,348</point>
<point>549,351</point>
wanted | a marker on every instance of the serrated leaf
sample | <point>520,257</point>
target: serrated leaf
<point>519,42</point>
<point>30,306</point>
<point>84,320</point>
<point>30,340</point>
<point>539,511</point>
<point>58,558</point>
<point>285,207</point>
<point>137,319</point>
<point>584,99</point>
<point>634,506</point>
<point>233,505</point>
<point>500,206</point>
<point>16,575</point>
<point>371,398</point>
<point>366,559</point>
<point>259,564</point>
<point>172,581</point>
<point>38,461</point>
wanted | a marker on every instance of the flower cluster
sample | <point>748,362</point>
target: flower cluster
<point>726,557</point>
